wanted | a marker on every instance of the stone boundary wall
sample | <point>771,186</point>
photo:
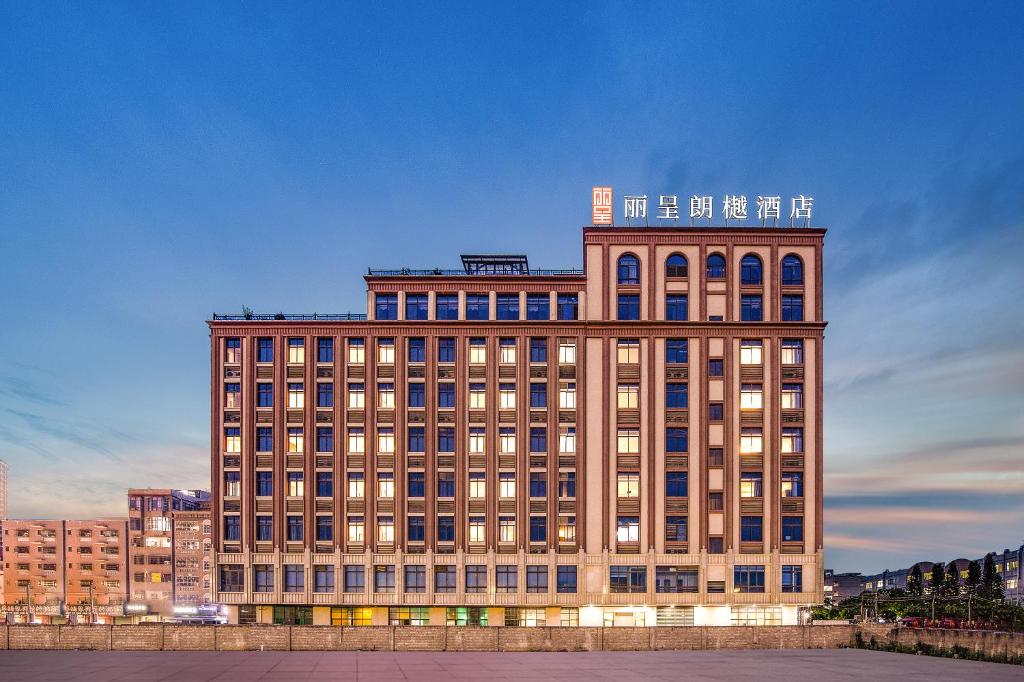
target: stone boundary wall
<point>161,637</point>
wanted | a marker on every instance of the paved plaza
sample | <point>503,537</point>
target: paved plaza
<point>816,664</point>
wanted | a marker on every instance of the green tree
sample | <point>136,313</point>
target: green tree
<point>938,578</point>
<point>991,583</point>
<point>951,587</point>
<point>973,577</point>
<point>915,583</point>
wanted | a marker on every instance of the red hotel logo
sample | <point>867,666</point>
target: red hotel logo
<point>602,204</point>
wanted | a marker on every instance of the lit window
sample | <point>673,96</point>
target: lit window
<point>356,485</point>
<point>232,483</point>
<point>629,396</point>
<point>477,352</point>
<point>356,351</point>
<point>750,484</point>
<point>627,529</point>
<point>567,529</point>
<point>386,396</point>
<point>232,396</point>
<point>628,441</point>
<point>477,396</point>
<point>232,440</point>
<point>750,440</point>
<point>567,396</point>
<point>792,396</point>
<point>506,529</point>
<point>296,485</point>
<point>628,484</point>
<point>792,440</point>
<point>385,529</point>
<point>792,484</point>
<point>792,352</point>
<point>566,352</point>
<point>567,440</point>
<point>296,350</point>
<point>507,440</point>
<point>750,397</point>
<point>295,440</point>
<point>386,484</point>
<point>296,396</point>
<point>386,351</point>
<point>477,441</point>
<point>356,530</point>
<point>506,484</point>
<point>507,351</point>
<point>386,440</point>
<point>628,352</point>
<point>477,529</point>
<point>356,440</point>
<point>356,396</point>
<point>507,396</point>
<point>232,350</point>
<point>750,352</point>
<point>477,485</point>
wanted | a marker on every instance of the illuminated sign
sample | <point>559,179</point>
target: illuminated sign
<point>601,202</point>
<point>702,207</point>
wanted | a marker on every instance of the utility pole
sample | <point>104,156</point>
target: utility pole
<point>92,605</point>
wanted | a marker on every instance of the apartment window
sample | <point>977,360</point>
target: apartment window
<point>537,579</point>
<point>628,441</point>
<point>385,529</point>
<point>676,307</point>
<point>676,440</point>
<point>296,397</point>
<point>446,307</point>
<point>566,484</point>
<point>507,351</point>
<point>751,397</point>
<point>446,350</point>
<point>477,529</point>
<point>416,484</point>
<point>356,439</point>
<point>675,579</point>
<point>716,266</point>
<point>538,307</point>
<point>264,483</point>
<point>750,308</point>
<point>444,579</point>
<point>386,396</point>
<point>628,269</point>
<point>386,351</point>
<point>507,440</point>
<point>568,306</point>
<point>478,307</point>
<point>792,440</point>
<point>792,352</point>
<point>446,394</point>
<point>629,307</point>
<point>386,307</point>
<point>355,579</point>
<point>792,579</point>
<point>715,457</point>
<point>477,396</point>
<point>748,579</point>
<point>792,396</point>
<point>446,529</point>
<point>356,396</point>
<point>506,579</point>
<point>477,441</point>
<point>792,308</point>
<point>415,306</point>
<point>675,484</point>
<point>676,351</point>
<point>750,352</point>
<point>792,529</point>
<point>716,367</point>
<point>565,579</point>
<point>232,483</point>
<point>716,545</point>
<point>538,484</point>
<point>567,528</point>
<point>323,579</point>
<point>232,578</point>
<point>324,484</point>
<point>325,395</point>
<point>477,352</point>
<point>567,352</point>
<point>676,395</point>
<point>628,484</point>
<point>264,350</point>
<point>567,396</point>
<point>295,484</point>
<point>507,306</point>
<point>356,529</point>
<point>325,350</point>
<point>356,351</point>
<point>477,485</point>
<point>264,528</point>
<point>232,440</point>
<point>792,484</point>
<point>627,529</point>
<point>538,439</point>
<point>750,484</point>
<point>417,350</point>
<point>751,440</point>
<point>538,350</point>
<point>295,528</point>
<point>417,394</point>
<point>676,529</point>
<point>294,578</point>
<point>506,529</point>
<point>416,439</point>
<point>386,484</point>
<point>750,270</point>
<point>445,484</point>
<point>232,396</point>
<point>628,396</point>
<point>415,579</point>
<point>385,440</point>
<point>383,578</point>
<point>567,439</point>
<point>232,351</point>
<point>751,528</point>
<point>627,579</point>
<point>476,579</point>
<point>232,528</point>
<point>525,617</point>
<point>264,395</point>
<point>676,266</point>
<point>262,578</point>
<point>538,530</point>
<point>538,395</point>
<point>792,271</point>
<point>356,485</point>
<point>292,615</point>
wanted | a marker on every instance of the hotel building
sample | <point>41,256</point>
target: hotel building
<point>635,443</point>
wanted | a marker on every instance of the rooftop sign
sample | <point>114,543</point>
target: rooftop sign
<point>733,207</point>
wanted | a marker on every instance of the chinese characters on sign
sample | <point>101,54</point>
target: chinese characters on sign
<point>734,207</point>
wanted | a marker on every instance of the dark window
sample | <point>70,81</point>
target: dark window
<point>629,307</point>
<point>568,306</point>
<point>716,368</point>
<point>676,308</point>
<point>446,527</point>
<point>444,579</point>
<point>539,532</point>
<point>386,307</point>
<point>716,412</point>
<point>264,439</point>
<point>792,484</point>
<point>792,529</point>
<point>567,484</point>
<point>750,308</point>
<point>325,484</point>
<point>325,439</point>
<point>538,395</point>
<point>324,528</point>
<point>417,394</point>
<point>750,270</point>
<point>675,484</point>
<point>565,577</point>
<point>325,395</point>
<point>355,579</point>
<point>538,350</point>
<point>446,350</point>
<point>675,579</point>
<point>715,501</point>
<point>417,350</point>
<point>262,578</point>
<point>264,395</point>
<point>538,484</point>
<point>325,350</point>
<point>384,578</point>
<point>750,528</point>
<point>629,269</point>
<point>446,394</point>
<point>716,545</point>
<point>415,306</point>
<point>446,307</point>
<point>627,579</point>
<point>538,439</point>
<point>538,307</point>
<point>792,271</point>
<point>792,579</point>
<point>293,615</point>
<point>506,578</point>
<point>676,266</point>
<point>415,576</point>
<point>716,266</point>
<point>446,439</point>
<point>676,529</point>
<point>416,484</point>
<point>416,529</point>
<point>323,578</point>
<point>417,440</point>
<point>675,440</point>
<point>478,307</point>
<point>264,483</point>
<point>232,528</point>
<point>507,306</point>
<point>476,579</point>
<point>446,484</point>
<point>295,528</point>
<point>676,350</point>
<point>536,579</point>
<point>748,578</point>
<point>264,528</point>
<point>676,395</point>
<point>264,350</point>
<point>792,308</point>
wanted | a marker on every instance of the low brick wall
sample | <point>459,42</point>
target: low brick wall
<point>86,637</point>
<point>136,637</point>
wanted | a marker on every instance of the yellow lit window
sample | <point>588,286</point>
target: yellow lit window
<point>477,530</point>
<point>155,578</point>
<point>506,484</point>
<point>295,440</point>
<point>507,396</point>
<point>750,441</point>
<point>385,529</point>
<point>477,353</point>
<point>386,352</point>
<point>356,486</point>
<point>296,351</point>
<point>750,484</point>
<point>356,529</point>
<point>508,351</point>
<point>477,396</point>
<point>385,440</point>
<point>567,396</point>
<point>566,353</point>
<point>567,440</point>
<point>356,352</point>
<point>629,396</point>
<point>507,441</point>
<point>628,441</point>
<point>296,397</point>
<point>386,396</point>
<point>356,440</point>
<point>628,484</point>
<point>792,396</point>
<point>233,441</point>
<point>506,529</point>
<point>477,486</point>
<point>567,529</point>
<point>750,397</point>
<point>477,441</point>
<point>356,396</point>
<point>386,484</point>
<point>628,352</point>
<point>750,352</point>
<point>296,486</point>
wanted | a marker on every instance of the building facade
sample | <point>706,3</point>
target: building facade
<point>153,549</point>
<point>1009,566</point>
<point>635,443</point>
<point>65,571</point>
<point>840,586</point>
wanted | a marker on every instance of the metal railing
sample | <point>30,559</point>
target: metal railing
<point>437,272</point>
<point>346,317</point>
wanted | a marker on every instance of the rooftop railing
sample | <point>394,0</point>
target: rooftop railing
<point>438,272</point>
<point>344,317</point>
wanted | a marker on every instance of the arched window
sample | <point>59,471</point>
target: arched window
<point>675,266</point>
<point>716,266</point>
<point>792,270</point>
<point>629,269</point>
<point>750,269</point>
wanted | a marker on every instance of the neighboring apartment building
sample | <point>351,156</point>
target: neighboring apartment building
<point>65,571</point>
<point>635,443</point>
<point>1009,565</point>
<point>154,550</point>
<point>840,586</point>
<point>193,552</point>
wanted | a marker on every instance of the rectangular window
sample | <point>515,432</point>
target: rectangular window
<point>356,396</point>
<point>415,579</point>
<point>627,351</point>
<point>416,484</point>
<point>324,439</point>
<point>627,579</point>
<point>792,439</point>
<point>506,578</point>
<point>356,351</point>
<point>750,308</point>
<point>232,483</point>
<point>416,529</point>
<point>383,578</point>
<point>264,350</point>
<point>416,439</point>
<point>566,484</point>
<point>506,529</point>
<point>417,394</point>
<point>751,440</point>
<point>477,396</point>
<point>750,529</point>
<point>232,351</point>
<point>232,528</point>
<point>567,529</point>
<point>568,306</point>
<point>324,484</point>
<point>567,352</point>
<point>676,529</point>
<point>565,577</point>
<point>538,439</point>
<point>629,307</point>
<point>627,484</point>
<point>676,440</point>
<point>264,483</point>
<point>675,579</point>
<point>567,439</point>
<point>750,352</point>
<point>477,441</point>
<point>792,484</point>
<point>538,350</point>
<point>232,396</point>
<point>446,350</point>
<point>676,308</point>
<point>323,579</point>
<point>628,396</point>
<point>676,396</point>
<point>444,579</point>
<point>446,529</point>
<point>539,531</point>
<point>446,394</point>
<point>296,397</point>
<point>356,529</point>
<point>446,307</point>
<point>751,397</point>
<point>262,578</point>
<point>385,484</point>
<point>792,579</point>
<point>295,529</point>
<point>627,529</point>
<point>325,395</point>
<point>716,367</point>
<point>675,484</point>
<point>415,306</point>
<point>676,351</point>
<point>385,529</point>
<point>537,579</point>
<point>264,395</point>
<point>385,440</point>
<point>792,529</point>
<point>748,578</point>
<point>792,308</point>
<point>386,396</point>
<point>386,351</point>
<point>477,485</point>
<point>507,440</point>
<point>325,350</point>
<point>567,396</point>
<point>750,484</point>
<point>477,530</point>
<point>356,485</point>
<point>264,528</point>
<point>232,440</point>
<point>792,352</point>
<point>507,351</point>
<point>477,351</point>
<point>417,350</point>
<point>628,441</point>
<point>538,395</point>
<point>792,396</point>
<point>296,441</point>
<point>445,484</point>
<point>538,484</point>
<point>324,529</point>
<point>386,307</point>
<point>507,306</point>
<point>355,579</point>
<point>525,617</point>
<point>476,579</point>
<point>478,307</point>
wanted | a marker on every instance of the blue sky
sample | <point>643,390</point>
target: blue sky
<point>160,163</point>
